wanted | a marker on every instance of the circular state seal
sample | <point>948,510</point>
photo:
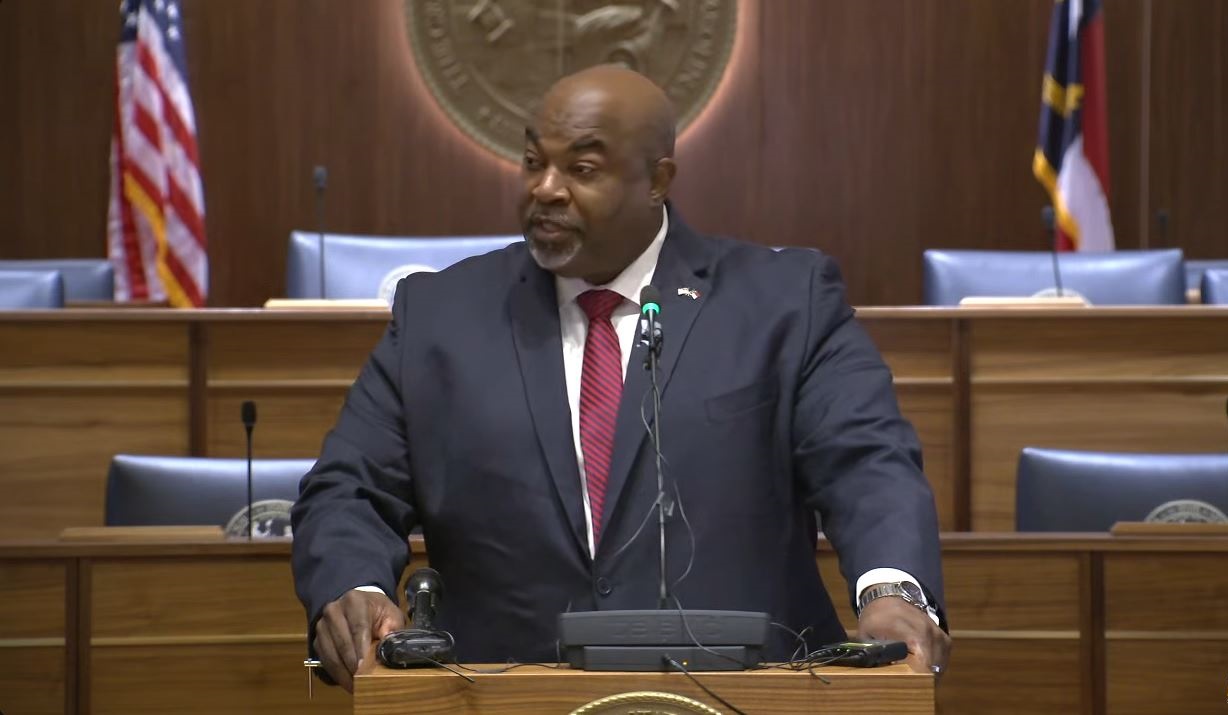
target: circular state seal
<point>1187,511</point>
<point>270,520</point>
<point>488,62</point>
<point>643,703</point>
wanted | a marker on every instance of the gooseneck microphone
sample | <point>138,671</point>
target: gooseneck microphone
<point>248,414</point>
<point>319,178</point>
<point>652,337</point>
<point>1049,221</point>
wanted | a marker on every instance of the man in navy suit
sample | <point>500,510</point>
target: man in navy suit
<point>501,411</point>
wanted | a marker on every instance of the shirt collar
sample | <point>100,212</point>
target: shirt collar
<point>628,283</point>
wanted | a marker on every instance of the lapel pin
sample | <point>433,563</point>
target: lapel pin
<point>689,292</point>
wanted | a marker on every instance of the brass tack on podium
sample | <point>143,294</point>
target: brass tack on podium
<point>310,664</point>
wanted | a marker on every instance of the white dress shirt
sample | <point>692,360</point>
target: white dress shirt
<point>573,325</point>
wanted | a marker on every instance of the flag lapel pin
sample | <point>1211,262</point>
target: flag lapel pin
<point>689,292</point>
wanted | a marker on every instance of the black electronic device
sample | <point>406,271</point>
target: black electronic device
<point>861,654</point>
<point>642,639</point>
<point>420,644</point>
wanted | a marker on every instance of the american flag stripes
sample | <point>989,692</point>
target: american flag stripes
<point>156,218</point>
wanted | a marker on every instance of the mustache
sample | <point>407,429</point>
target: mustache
<point>563,221</point>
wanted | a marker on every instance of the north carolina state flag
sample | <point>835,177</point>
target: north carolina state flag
<point>1072,156</point>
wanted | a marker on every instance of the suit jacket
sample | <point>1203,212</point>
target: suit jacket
<point>774,404</point>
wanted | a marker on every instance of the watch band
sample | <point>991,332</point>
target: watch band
<point>906,590</point>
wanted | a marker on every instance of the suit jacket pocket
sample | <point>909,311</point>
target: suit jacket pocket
<point>736,403</point>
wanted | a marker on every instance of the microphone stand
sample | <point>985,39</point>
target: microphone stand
<point>650,364</point>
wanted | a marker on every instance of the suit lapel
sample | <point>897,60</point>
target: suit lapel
<point>683,264</point>
<point>535,328</point>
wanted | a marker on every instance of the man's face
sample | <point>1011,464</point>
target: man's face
<point>587,208</point>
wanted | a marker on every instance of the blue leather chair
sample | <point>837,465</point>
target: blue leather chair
<point>1215,286</point>
<point>150,490</point>
<point>84,278</point>
<point>1062,490</point>
<point>1195,267</point>
<point>31,289</point>
<point>1113,278</point>
<point>370,266</point>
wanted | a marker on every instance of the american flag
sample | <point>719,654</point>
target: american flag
<point>1072,157</point>
<point>156,218</point>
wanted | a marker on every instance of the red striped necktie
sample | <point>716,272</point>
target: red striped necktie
<point>601,388</point>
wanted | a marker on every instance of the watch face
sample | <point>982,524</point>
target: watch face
<point>913,591</point>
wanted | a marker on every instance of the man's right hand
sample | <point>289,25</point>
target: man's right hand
<point>346,628</point>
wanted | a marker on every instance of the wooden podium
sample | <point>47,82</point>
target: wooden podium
<point>542,690</point>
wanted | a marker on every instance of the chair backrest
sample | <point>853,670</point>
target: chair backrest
<point>84,278</point>
<point>1215,286</point>
<point>1111,278</point>
<point>150,490</point>
<point>31,289</point>
<point>370,266</point>
<point>1195,267</point>
<point>1063,490</point>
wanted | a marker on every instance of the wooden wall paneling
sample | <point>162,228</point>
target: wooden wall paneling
<point>76,394</point>
<point>292,421</point>
<point>57,77</point>
<point>1188,140</point>
<point>1115,418</point>
<point>138,599</point>
<point>208,679</point>
<point>33,662</point>
<point>200,634</point>
<point>1126,74</point>
<point>292,351</point>
<point>284,85</point>
<point>1033,381</point>
<point>297,376</point>
<point>58,443</point>
<point>1146,631</point>
<point>880,148</point>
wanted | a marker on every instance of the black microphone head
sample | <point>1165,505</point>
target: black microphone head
<point>319,177</point>
<point>248,413</point>
<point>650,294</point>
<point>1047,218</point>
<point>425,579</point>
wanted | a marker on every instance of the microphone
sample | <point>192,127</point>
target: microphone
<point>650,325</point>
<point>651,337</point>
<point>248,413</point>
<point>423,592</point>
<point>421,643</point>
<point>1162,226</point>
<point>319,177</point>
<point>1048,220</point>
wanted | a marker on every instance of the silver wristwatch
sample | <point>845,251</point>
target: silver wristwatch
<point>907,590</point>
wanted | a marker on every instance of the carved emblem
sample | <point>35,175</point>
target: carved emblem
<point>645,703</point>
<point>1187,511</point>
<point>488,62</point>
<point>271,520</point>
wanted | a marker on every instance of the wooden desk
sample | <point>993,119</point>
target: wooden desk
<point>1064,623</point>
<point>78,386</point>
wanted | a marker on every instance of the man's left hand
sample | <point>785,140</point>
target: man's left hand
<point>894,619</point>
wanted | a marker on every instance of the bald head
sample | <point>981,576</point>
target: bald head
<point>627,101</point>
<point>597,170</point>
